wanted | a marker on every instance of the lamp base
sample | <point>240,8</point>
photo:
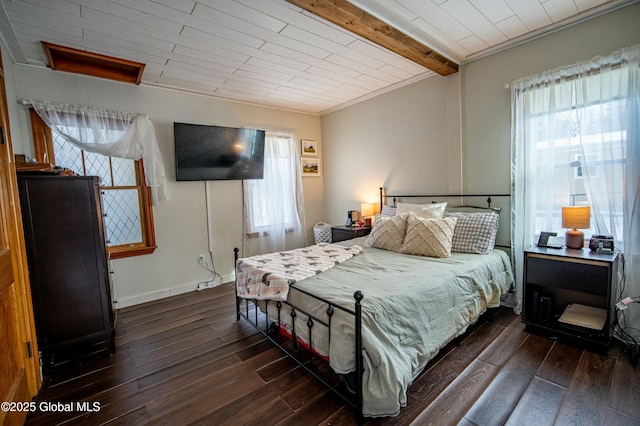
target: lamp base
<point>574,239</point>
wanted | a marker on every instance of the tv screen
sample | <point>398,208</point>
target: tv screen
<point>218,153</point>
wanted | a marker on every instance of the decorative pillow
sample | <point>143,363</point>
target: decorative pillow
<point>388,233</point>
<point>471,209</point>
<point>428,237</point>
<point>475,232</point>
<point>425,211</point>
<point>388,211</point>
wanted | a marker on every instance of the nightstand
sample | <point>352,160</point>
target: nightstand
<point>570,293</point>
<point>341,233</point>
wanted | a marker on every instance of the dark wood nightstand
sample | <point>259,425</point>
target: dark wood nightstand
<point>557,278</point>
<point>341,233</point>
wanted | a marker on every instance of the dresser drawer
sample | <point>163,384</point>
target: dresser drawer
<point>579,275</point>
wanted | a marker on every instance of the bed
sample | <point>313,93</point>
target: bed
<point>379,314</point>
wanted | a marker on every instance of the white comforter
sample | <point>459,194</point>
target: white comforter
<point>412,307</point>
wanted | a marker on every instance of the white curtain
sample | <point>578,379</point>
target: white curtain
<point>111,133</point>
<point>274,206</point>
<point>576,140</point>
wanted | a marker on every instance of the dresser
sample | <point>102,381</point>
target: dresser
<point>68,266</point>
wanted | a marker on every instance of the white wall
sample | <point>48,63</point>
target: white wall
<point>180,223</point>
<point>398,140</point>
<point>12,105</point>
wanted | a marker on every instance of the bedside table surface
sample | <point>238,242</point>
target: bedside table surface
<point>351,228</point>
<point>342,232</point>
<point>585,253</point>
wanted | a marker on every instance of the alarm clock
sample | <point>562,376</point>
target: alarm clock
<point>601,243</point>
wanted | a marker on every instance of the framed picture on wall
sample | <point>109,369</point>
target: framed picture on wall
<point>310,166</point>
<point>309,148</point>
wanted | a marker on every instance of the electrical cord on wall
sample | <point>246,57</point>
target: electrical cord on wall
<point>214,275</point>
<point>621,331</point>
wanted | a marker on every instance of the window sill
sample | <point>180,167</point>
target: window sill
<point>130,252</point>
<point>259,234</point>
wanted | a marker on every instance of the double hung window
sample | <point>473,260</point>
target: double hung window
<point>578,155</point>
<point>274,212</point>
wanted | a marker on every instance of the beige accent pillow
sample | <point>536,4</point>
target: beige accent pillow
<point>425,211</point>
<point>428,237</point>
<point>388,233</point>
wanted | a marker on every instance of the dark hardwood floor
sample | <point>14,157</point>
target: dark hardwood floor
<point>186,360</point>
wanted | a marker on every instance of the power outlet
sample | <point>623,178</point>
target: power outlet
<point>201,259</point>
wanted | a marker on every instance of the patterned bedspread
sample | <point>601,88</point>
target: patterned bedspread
<point>268,276</point>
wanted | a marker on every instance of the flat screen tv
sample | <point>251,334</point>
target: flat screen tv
<point>217,152</point>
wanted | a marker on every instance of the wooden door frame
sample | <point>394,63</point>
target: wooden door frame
<point>28,388</point>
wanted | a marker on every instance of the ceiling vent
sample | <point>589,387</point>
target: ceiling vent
<point>63,58</point>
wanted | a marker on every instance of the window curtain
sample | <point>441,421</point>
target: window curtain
<point>274,206</point>
<point>111,133</point>
<point>579,125</point>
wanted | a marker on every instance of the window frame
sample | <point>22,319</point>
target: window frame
<point>44,153</point>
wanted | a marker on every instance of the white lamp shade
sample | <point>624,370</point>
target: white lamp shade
<point>576,217</point>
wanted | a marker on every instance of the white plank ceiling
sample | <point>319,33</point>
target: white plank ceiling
<point>269,52</point>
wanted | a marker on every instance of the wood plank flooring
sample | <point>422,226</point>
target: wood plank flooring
<point>185,360</point>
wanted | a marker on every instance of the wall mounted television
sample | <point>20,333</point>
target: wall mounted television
<point>218,153</point>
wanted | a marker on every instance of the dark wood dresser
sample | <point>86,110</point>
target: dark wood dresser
<point>68,270</point>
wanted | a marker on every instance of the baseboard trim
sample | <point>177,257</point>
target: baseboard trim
<point>125,302</point>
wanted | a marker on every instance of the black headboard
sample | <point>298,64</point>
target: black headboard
<point>384,196</point>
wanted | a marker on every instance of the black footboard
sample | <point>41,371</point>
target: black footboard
<point>350,388</point>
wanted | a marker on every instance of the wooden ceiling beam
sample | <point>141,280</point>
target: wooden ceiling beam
<point>356,20</point>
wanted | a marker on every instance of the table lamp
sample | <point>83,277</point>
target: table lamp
<point>367,211</point>
<point>575,217</point>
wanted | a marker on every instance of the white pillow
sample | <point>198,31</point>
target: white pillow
<point>425,211</point>
<point>388,233</point>
<point>428,237</point>
<point>388,211</point>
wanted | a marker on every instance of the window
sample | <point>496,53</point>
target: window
<point>273,205</point>
<point>126,199</point>
<point>575,146</point>
<point>263,217</point>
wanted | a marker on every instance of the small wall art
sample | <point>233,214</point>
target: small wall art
<point>310,166</point>
<point>309,148</point>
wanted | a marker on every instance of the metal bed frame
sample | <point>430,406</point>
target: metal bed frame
<point>384,196</point>
<point>303,354</point>
<point>271,332</point>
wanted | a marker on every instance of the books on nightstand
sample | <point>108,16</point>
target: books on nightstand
<point>584,316</point>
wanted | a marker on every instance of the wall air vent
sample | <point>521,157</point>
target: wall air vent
<point>63,58</point>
